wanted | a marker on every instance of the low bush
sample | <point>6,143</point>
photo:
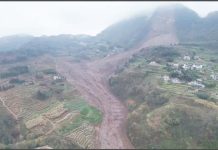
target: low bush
<point>42,95</point>
<point>16,81</point>
<point>49,71</point>
<point>202,95</point>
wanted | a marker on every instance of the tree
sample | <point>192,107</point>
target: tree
<point>42,95</point>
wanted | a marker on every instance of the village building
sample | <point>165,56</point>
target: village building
<point>185,67</point>
<point>153,63</point>
<point>176,80</point>
<point>196,58</point>
<point>166,78</point>
<point>214,76</point>
<point>187,58</point>
<point>199,80</point>
<point>196,84</point>
<point>194,66</point>
<point>176,66</point>
<point>58,77</point>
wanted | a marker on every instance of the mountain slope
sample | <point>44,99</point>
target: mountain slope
<point>126,33</point>
<point>185,23</point>
<point>9,43</point>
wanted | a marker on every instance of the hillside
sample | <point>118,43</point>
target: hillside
<point>13,42</point>
<point>166,109</point>
<point>144,82</point>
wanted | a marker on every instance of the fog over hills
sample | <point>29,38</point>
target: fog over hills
<point>188,26</point>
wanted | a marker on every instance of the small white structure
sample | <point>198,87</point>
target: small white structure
<point>214,76</point>
<point>196,84</point>
<point>185,67</point>
<point>199,80</point>
<point>196,58</point>
<point>194,66</point>
<point>176,66</point>
<point>166,78</point>
<point>175,80</point>
<point>153,63</point>
<point>57,77</point>
<point>186,58</point>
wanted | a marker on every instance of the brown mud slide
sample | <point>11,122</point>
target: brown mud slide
<point>91,80</point>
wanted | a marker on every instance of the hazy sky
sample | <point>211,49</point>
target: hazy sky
<point>51,18</point>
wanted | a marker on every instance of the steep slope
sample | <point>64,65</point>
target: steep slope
<point>192,28</point>
<point>126,33</point>
<point>185,23</point>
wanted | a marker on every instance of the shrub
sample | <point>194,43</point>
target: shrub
<point>42,95</point>
<point>49,71</point>
<point>14,71</point>
<point>210,84</point>
<point>174,75</point>
<point>202,95</point>
<point>189,75</point>
<point>16,81</point>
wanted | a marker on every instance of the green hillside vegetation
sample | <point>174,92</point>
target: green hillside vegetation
<point>8,131</point>
<point>165,114</point>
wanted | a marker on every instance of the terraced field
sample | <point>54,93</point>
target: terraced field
<point>64,113</point>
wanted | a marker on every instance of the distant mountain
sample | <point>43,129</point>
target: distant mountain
<point>9,43</point>
<point>183,23</point>
<point>126,33</point>
<point>187,25</point>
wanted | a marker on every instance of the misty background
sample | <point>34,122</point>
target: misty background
<point>53,18</point>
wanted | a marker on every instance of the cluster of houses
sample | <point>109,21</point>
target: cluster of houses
<point>197,83</point>
<point>186,66</point>
<point>192,66</point>
<point>214,76</point>
<point>58,78</point>
<point>186,57</point>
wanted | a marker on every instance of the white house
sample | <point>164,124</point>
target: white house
<point>186,58</point>
<point>56,77</point>
<point>199,80</point>
<point>166,78</point>
<point>196,84</point>
<point>175,80</point>
<point>185,67</point>
<point>153,63</point>
<point>175,66</point>
<point>194,66</point>
<point>214,77</point>
<point>196,57</point>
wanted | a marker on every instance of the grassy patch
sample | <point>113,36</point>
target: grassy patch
<point>87,112</point>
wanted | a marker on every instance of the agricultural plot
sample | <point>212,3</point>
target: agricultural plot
<point>60,112</point>
<point>22,103</point>
<point>83,136</point>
